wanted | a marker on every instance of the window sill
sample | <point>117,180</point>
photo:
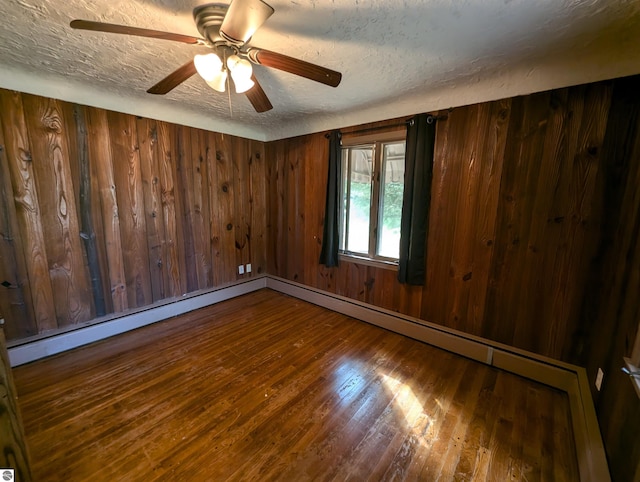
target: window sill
<point>635,380</point>
<point>376,263</point>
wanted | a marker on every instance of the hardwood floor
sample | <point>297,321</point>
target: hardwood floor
<point>268,387</point>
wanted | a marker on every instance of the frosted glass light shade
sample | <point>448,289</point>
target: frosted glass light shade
<point>219,81</point>
<point>208,66</point>
<point>242,84</point>
<point>241,72</point>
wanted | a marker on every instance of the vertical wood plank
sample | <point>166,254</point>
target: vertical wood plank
<point>447,171</point>
<point>410,297</point>
<point>524,146</point>
<point>351,281</point>
<point>69,116</point>
<point>199,209</point>
<point>225,191</point>
<point>101,158</point>
<point>258,208</point>
<point>461,265</point>
<point>201,183</point>
<point>242,191</point>
<point>272,206</point>
<point>279,196</point>
<point>182,153</point>
<point>16,305</point>
<point>18,152</point>
<point>315,174</point>
<point>491,157</point>
<point>325,278</point>
<point>147,131</point>
<point>544,225</point>
<point>84,206</point>
<point>607,287</point>
<point>571,264</point>
<point>216,227</point>
<point>384,288</point>
<point>129,194</point>
<point>69,280</point>
<point>73,111</point>
<point>173,253</point>
<point>295,164</point>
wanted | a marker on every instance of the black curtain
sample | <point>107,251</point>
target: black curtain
<point>414,226</point>
<point>330,238</point>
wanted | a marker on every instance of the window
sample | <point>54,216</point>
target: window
<point>372,185</point>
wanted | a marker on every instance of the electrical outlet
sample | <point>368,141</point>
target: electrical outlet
<point>241,269</point>
<point>599,378</point>
<point>249,268</point>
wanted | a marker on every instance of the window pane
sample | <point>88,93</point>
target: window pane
<point>359,200</point>
<point>392,186</point>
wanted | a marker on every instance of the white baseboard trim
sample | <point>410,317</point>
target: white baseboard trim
<point>126,321</point>
<point>592,461</point>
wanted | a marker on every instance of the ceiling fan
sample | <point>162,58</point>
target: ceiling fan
<point>227,30</point>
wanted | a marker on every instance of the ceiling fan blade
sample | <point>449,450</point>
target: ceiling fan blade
<point>258,98</point>
<point>295,66</point>
<point>243,18</point>
<point>140,32</point>
<point>174,79</point>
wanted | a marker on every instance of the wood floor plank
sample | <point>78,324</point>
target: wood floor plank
<point>266,387</point>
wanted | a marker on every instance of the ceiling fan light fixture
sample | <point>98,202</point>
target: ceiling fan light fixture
<point>219,82</point>
<point>209,66</point>
<point>242,85</point>
<point>226,29</point>
<point>241,72</point>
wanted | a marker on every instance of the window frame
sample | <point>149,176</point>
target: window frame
<point>376,141</point>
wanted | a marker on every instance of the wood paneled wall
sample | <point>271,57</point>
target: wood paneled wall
<point>611,310</point>
<point>512,221</point>
<point>103,212</point>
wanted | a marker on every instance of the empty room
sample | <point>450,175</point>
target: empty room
<point>302,240</point>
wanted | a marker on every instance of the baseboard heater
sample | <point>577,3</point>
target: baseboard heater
<point>41,346</point>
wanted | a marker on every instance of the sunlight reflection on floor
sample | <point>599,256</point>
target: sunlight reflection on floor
<point>348,380</point>
<point>412,409</point>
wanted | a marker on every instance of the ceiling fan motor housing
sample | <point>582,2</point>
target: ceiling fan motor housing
<point>208,19</point>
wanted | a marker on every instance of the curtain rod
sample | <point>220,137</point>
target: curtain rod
<point>430,119</point>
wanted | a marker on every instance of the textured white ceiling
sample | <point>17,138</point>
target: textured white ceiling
<point>397,57</point>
